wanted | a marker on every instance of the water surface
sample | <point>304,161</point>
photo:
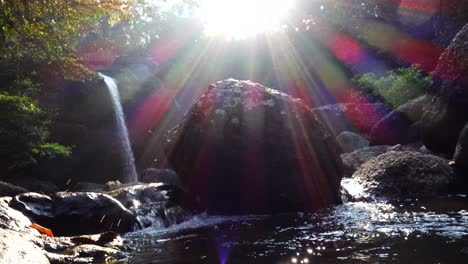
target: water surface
<point>406,232</point>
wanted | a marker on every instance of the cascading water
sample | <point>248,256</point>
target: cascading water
<point>129,173</point>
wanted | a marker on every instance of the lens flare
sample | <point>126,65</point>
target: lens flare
<point>238,19</point>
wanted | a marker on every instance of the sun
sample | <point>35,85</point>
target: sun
<point>239,19</point>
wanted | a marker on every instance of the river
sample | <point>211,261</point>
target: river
<point>411,231</point>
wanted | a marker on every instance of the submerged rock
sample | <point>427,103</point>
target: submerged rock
<point>246,148</point>
<point>446,113</point>
<point>399,175</point>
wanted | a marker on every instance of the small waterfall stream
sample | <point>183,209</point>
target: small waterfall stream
<point>129,173</point>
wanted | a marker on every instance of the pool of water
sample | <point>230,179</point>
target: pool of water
<point>404,232</point>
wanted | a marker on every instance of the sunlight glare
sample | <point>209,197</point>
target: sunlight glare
<point>239,19</point>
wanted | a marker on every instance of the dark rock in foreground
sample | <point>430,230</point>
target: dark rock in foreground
<point>246,148</point>
<point>446,113</point>
<point>399,175</point>
<point>76,213</point>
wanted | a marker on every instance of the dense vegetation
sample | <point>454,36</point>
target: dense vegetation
<point>396,87</point>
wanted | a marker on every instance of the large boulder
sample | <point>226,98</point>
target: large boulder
<point>399,175</point>
<point>401,126</point>
<point>246,148</point>
<point>354,117</point>
<point>446,113</point>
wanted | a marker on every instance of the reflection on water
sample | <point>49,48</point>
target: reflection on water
<point>410,232</point>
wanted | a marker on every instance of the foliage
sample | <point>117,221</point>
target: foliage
<point>23,133</point>
<point>396,87</point>
<point>38,41</point>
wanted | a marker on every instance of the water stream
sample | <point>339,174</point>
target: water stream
<point>129,172</point>
<point>406,232</point>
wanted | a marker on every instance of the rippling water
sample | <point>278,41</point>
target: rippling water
<point>407,232</point>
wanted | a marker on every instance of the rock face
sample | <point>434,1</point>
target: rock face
<point>83,117</point>
<point>246,148</point>
<point>446,113</point>
<point>350,141</point>
<point>353,117</point>
<point>461,155</point>
<point>401,126</point>
<point>76,213</point>
<point>399,175</point>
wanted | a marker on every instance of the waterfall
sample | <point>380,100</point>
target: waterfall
<point>129,172</point>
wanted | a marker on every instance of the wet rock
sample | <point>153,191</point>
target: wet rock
<point>90,213</point>
<point>359,118</point>
<point>154,204</point>
<point>7,189</point>
<point>399,175</point>
<point>246,148</point>
<point>99,248</point>
<point>166,176</point>
<point>83,254</point>
<point>38,207</point>
<point>400,126</point>
<point>352,161</point>
<point>350,141</point>
<point>446,113</point>
<point>76,213</point>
